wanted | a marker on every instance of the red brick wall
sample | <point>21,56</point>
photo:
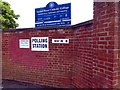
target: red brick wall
<point>82,68</point>
<point>105,44</point>
<point>90,60</point>
<point>119,43</point>
<point>55,67</point>
<point>51,68</point>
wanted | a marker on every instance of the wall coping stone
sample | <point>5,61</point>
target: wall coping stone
<point>89,22</point>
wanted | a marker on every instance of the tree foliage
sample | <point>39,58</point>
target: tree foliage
<point>7,16</point>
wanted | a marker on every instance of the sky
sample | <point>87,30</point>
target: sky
<point>81,10</point>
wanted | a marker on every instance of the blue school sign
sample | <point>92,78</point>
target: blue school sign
<point>53,15</point>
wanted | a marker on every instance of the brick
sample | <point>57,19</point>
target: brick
<point>102,42</point>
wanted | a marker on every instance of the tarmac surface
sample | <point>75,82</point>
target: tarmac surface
<point>16,85</point>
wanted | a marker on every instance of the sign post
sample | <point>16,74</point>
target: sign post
<point>53,15</point>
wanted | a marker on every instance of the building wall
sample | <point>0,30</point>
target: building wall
<point>51,67</point>
<point>82,65</point>
<point>119,43</point>
<point>105,44</point>
<point>90,60</point>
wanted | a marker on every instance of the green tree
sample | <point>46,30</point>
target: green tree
<point>7,16</point>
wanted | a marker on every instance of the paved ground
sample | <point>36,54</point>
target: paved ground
<point>15,85</point>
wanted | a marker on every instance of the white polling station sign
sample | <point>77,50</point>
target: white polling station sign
<point>39,43</point>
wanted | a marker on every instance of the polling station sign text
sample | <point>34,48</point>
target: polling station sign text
<point>53,15</point>
<point>39,43</point>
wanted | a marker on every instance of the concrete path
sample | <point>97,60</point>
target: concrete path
<point>15,85</point>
